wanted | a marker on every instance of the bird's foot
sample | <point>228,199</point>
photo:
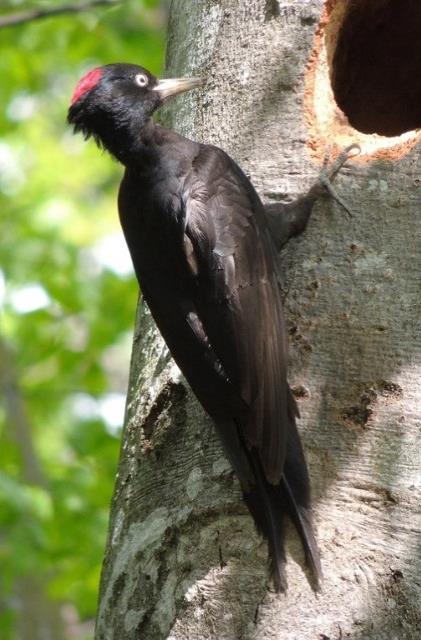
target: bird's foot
<point>287,220</point>
<point>330,171</point>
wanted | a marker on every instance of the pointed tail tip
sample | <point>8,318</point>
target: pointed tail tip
<point>316,578</point>
<point>315,575</point>
<point>312,555</point>
<point>279,577</point>
<point>300,514</point>
<point>312,559</point>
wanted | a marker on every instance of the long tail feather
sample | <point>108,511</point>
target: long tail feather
<point>264,506</point>
<point>301,517</point>
<point>261,498</point>
<point>295,487</point>
<point>269,504</point>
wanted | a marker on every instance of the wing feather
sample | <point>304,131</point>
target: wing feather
<point>238,299</point>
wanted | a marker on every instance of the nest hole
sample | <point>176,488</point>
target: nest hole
<point>376,76</point>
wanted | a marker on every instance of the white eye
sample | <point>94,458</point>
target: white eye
<point>141,80</point>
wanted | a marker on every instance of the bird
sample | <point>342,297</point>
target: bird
<point>208,270</point>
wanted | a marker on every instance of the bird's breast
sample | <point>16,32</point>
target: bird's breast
<point>154,234</point>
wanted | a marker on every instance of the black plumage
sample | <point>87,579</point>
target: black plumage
<point>207,267</point>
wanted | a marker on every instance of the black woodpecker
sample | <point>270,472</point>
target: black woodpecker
<point>200,241</point>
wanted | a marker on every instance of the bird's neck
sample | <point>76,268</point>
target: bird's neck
<point>132,143</point>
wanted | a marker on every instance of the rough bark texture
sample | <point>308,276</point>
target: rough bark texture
<point>183,560</point>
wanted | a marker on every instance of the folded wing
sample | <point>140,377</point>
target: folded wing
<point>238,301</point>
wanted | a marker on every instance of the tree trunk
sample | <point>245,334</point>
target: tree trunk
<point>183,560</point>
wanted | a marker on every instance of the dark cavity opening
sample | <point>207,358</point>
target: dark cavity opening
<point>376,68</point>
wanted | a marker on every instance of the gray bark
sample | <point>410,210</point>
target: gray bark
<point>183,560</point>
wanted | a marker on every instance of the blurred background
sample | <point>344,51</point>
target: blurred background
<point>67,307</point>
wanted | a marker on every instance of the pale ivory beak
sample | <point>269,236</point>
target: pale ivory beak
<point>173,86</point>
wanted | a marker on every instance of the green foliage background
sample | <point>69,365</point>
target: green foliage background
<point>66,317</point>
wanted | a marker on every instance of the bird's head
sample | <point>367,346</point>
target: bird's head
<point>113,103</point>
